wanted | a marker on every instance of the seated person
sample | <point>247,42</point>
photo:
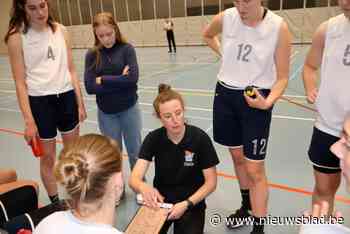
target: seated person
<point>19,203</point>
<point>90,171</point>
<point>16,196</point>
<point>185,166</point>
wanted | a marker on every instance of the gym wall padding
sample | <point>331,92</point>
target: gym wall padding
<point>4,20</point>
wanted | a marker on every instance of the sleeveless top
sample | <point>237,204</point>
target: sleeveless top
<point>248,52</point>
<point>46,63</point>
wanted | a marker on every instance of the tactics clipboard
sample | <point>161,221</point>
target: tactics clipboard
<point>147,221</point>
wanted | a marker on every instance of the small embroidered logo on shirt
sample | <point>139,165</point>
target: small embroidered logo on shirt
<point>50,54</point>
<point>188,159</point>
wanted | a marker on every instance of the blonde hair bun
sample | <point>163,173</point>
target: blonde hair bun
<point>163,88</point>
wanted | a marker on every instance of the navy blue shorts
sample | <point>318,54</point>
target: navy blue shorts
<point>235,124</point>
<point>319,152</point>
<point>52,112</point>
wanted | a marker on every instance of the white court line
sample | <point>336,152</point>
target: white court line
<point>7,99</point>
<point>95,122</point>
<point>180,90</point>
<point>87,120</point>
<point>292,118</point>
<point>194,108</point>
<point>167,70</point>
<point>211,110</point>
<point>208,129</point>
<point>292,77</point>
<point>164,71</point>
<point>293,56</point>
<point>183,63</point>
<point>7,91</point>
<point>91,108</point>
<point>206,91</point>
<point>156,88</point>
<point>148,104</point>
<point>9,110</point>
<point>295,73</point>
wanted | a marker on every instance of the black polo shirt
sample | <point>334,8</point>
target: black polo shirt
<point>178,167</point>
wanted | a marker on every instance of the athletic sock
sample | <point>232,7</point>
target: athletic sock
<point>258,226</point>
<point>245,199</point>
<point>54,198</point>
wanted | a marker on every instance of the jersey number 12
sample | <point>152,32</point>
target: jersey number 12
<point>243,51</point>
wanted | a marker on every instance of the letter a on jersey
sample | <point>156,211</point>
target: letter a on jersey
<point>50,54</point>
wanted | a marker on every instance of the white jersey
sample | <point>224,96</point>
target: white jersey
<point>46,64</point>
<point>248,52</point>
<point>65,222</point>
<point>333,100</point>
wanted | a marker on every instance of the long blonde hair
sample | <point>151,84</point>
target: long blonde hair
<point>86,165</point>
<point>105,18</point>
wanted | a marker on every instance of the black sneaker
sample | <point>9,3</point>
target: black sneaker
<point>255,232</point>
<point>238,219</point>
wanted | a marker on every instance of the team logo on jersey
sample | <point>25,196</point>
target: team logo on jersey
<point>188,159</point>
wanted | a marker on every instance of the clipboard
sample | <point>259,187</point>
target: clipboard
<point>147,221</point>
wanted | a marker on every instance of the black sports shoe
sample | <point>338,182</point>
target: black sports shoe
<point>255,232</point>
<point>239,218</point>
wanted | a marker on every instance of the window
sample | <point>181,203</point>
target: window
<point>96,7</point>
<point>134,10</point>
<point>75,12</point>
<point>226,4</point>
<point>274,5</point>
<point>316,3</point>
<point>293,4</point>
<point>85,11</point>
<point>177,8</point>
<point>120,6</point>
<point>211,7</point>
<point>334,2</point>
<point>162,9</point>
<point>194,7</point>
<point>64,12</point>
<point>54,10</point>
<point>107,6</point>
<point>147,7</point>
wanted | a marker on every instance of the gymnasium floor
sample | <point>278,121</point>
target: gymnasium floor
<point>192,71</point>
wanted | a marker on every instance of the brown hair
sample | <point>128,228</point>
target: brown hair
<point>105,18</point>
<point>165,94</point>
<point>85,166</point>
<point>19,21</point>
